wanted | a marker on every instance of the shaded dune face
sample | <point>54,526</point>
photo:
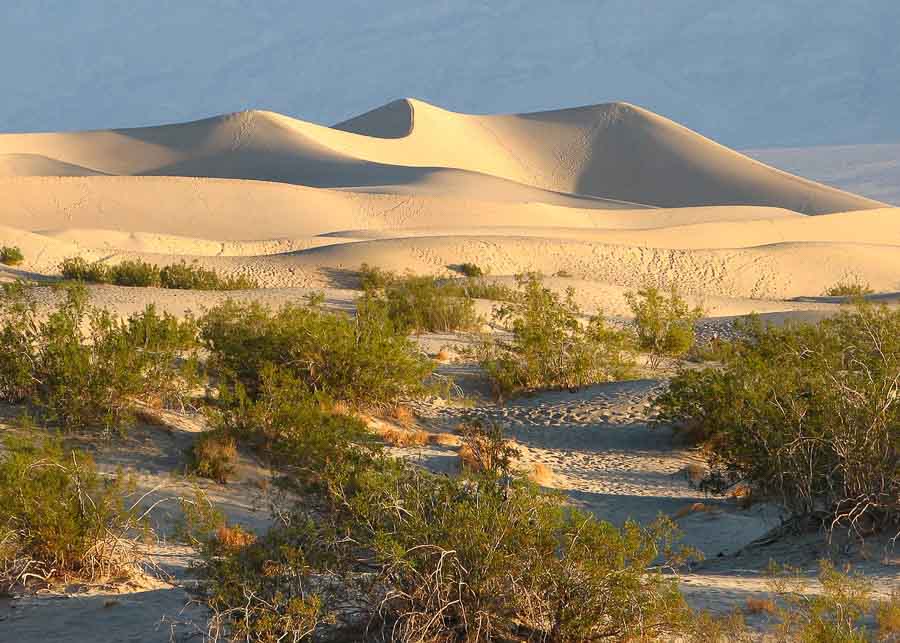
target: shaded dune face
<point>612,195</point>
<point>615,151</point>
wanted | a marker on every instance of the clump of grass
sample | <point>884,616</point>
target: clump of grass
<point>11,256</point>
<point>551,347</point>
<point>214,455</point>
<point>59,519</point>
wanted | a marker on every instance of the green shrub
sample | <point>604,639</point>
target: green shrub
<point>664,322</point>
<point>59,518</point>
<point>809,414</point>
<point>469,269</point>
<point>422,304</point>
<point>481,559</point>
<point>837,612</point>
<point>185,276</point>
<point>11,255</point>
<point>375,278</point>
<point>80,379</point>
<point>851,288</point>
<point>134,273</point>
<point>479,289</point>
<point>364,360</point>
<point>290,425</point>
<point>78,269</point>
<point>550,346</point>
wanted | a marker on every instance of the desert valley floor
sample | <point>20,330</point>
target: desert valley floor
<point>603,199</point>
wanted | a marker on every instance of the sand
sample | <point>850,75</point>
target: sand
<point>603,198</point>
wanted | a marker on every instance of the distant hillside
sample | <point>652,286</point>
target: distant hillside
<point>868,170</point>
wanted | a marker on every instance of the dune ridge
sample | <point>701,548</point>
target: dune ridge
<point>610,194</point>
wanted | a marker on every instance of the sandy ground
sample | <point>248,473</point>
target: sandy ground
<point>603,199</point>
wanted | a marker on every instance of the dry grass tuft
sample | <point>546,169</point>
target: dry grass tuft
<point>233,539</point>
<point>694,473</point>
<point>541,474</point>
<point>214,456</point>
<point>888,618</point>
<point>403,415</point>
<point>342,408</point>
<point>444,440</point>
<point>403,438</point>
<point>760,606</point>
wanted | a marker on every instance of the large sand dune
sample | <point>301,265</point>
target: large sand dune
<point>611,194</point>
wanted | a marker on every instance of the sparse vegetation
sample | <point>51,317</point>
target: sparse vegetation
<point>852,288</point>
<point>421,304</point>
<point>59,519</point>
<point>364,360</point>
<point>550,346</point>
<point>442,551</point>
<point>137,273</point>
<point>469,269</point>
<point>78,269</point>
<point>190,276</point>
<point>807,414</point>
<point>11,256</point>
<point>664,323</point>
<point>835,613</point>
<point>97,378</point>
<point>213,456</point>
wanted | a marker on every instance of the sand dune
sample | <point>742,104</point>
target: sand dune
<point>615,151</point>
<point>612,195</point>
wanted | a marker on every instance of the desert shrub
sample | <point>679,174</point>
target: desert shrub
<point>428,557</point>
<point>469,269</point>
<point>837,612</point>
<point>481,559</point>
<point>808,414</point>
<point>423,303</point>
<point>550,346</point>
<point>485,449</point>
<point>78,269</point>
<point>478,288</point>
<point>11,255</point>
<point>190,276</point>
<point>134,273</point>
<point>59,518</point>
<point>292,426</point>
<point>213,455</point>
<point>664,322</point>
<point>849,287</point>
<point>364,360</point>
<point>79,366</point>
<point>375,278</point>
